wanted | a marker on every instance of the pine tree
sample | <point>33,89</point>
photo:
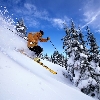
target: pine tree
<point>57,58</point>
<point>93,79</point>
<point>79,69</point>
<point>62,60</point>
<point>41,56</point>
<point>93,51</point>
<point>47,57</point>
<point>91,86</point>
<point>73,48</point>
<point>82,42</point>
<point>51,59</point>
<point>21,28</point>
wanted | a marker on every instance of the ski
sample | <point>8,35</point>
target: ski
<point>38,61</point>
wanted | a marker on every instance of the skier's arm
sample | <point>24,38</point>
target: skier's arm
<point>44,40</point>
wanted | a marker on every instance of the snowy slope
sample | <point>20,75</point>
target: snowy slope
<point>20,82</point>
<point>23,79</point>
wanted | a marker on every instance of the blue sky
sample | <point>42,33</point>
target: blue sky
<point>48,15</point>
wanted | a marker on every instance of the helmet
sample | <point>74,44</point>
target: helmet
<point>41,32</point>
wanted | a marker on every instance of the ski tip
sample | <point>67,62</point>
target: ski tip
<point>55,73</point>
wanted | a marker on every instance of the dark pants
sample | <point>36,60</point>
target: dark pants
<point>37,50</point>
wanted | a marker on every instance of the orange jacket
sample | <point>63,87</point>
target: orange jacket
<point>34,38</point>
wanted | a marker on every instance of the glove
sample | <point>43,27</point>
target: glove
<point>48,38</point>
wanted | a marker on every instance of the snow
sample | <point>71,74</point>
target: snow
<point>23,79</point>
<point>21,28</point>
<point>83,55</point>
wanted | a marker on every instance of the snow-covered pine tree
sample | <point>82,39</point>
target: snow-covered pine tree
<point>82,42</point>
<point>47,57</point>
<point>62,60</point>
<point>94,60</point>
<point>73,47</point>
<point>79,69</point>
<point>57,58</point>
<point>54,57</point>
<point>93,51</point>
<point>87,80</point>
<point>21,28</point>
<point>41,56</point>
<point>51,58</point>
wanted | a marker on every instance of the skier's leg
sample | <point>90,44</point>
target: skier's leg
<point>38,50</point>
<point>34,49</point>
<point>30,48</point>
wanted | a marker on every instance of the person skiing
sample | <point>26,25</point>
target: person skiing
<point>33,39</point>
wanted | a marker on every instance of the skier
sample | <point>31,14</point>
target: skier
<point>33,39</point>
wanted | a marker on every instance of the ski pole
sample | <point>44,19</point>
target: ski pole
<point>53,46</point>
